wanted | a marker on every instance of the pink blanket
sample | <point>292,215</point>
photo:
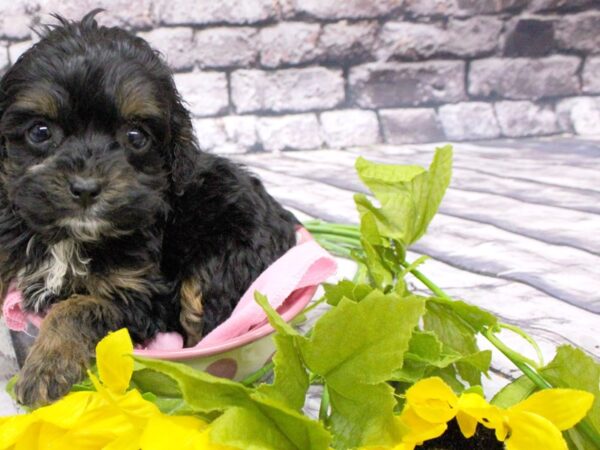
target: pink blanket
<point>303,266</point>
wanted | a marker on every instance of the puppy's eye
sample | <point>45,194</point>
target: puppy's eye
<point>137,138</point>
<point>39,133</point>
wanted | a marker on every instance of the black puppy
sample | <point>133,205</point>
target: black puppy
<point>109,213</point>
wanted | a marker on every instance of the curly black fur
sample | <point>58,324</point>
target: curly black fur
<point>166,215</point>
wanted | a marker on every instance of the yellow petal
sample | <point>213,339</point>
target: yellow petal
<point>432,399</point>
<point>14,428</point>
<point>67,411</point>
<point>113,358</point>
<point>530,431</point>
<point>418,429</point>
<point>473,407</point>
<point>563,407</point>
<point>169,432</point>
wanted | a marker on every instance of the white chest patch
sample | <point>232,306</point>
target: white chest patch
<point>64,260</point>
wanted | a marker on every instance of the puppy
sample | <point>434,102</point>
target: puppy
<point>110,216</point>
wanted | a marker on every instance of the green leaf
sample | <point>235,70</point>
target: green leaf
<point>475,317</point>
<point>409,196</point>
<point>291,379</point>
<point>572,368</point>
<point>365,418</point>
<point>442,319</point>
<point>356,347</point>
<point>362,342</point>
<point>251,420</point>
<point>346,289</point>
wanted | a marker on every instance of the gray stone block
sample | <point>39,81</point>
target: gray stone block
<point>293,132</point>
<point>471,37</point>
<point>579,115</point>
<point>344,42</point>
<point>16,17</point>
<point>306,89</point>
<point>350,128</point>
<point>225,47</point>
<point>347,9</point>
<point>227,135</point>
<point>202,12</point>
<point>387,85</point>
<point>289,43</point>
<point>469,120</point>
<point>204,92</point>
<point>523,118</point>
<point>523,78</point>
<point>175,44</point>
<point>557,5</point>
<point>531,36</point>
<point>120,13</point>
<point>17,49</point>
<point>410,125</point>
<point>579,32</point>
<point>591,75</point>
<point>461,8</point>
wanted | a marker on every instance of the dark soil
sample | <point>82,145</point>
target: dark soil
<point>452,439</point>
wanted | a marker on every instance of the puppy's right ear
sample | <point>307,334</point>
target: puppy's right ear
<point>184,150</point>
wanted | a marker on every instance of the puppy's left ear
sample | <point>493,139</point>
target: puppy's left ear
<point>184,151</point>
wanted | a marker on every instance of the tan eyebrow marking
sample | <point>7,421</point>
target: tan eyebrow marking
<point>135,99</point>
<point>37,100</point>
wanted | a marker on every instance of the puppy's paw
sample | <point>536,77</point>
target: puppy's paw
<point>49,374</point>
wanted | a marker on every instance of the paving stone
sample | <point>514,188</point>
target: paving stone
<point>349,128</point>
<point>344,42</point>
<point>591,75</point>
<point>348,9</point>
<point>287,90</point>
<point>225,47</point>
<point>523,118</point>
<point>579,32</point>
<point>174,43</point>
<point>202,12</point>
<point>580,115</point>
<point>469,120</point>
<point>205,92</point>
<point>293,132</point>
<point>530,37</point>
<point>289,43</point>
<point>470,37</point>
<point>524,78</point>
<point>388,85</point>
<point>410,125</point>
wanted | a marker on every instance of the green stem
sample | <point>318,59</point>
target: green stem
<point>258,375</point>
<point>529,339</point>
<point>324,408</point>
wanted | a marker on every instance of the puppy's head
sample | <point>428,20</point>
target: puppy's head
<point>94,136</point>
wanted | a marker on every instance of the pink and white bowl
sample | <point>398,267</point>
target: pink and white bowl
<point>243,343</point>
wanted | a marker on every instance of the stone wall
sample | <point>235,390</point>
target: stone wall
<point>301,74</point>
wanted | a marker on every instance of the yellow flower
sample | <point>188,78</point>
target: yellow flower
<point>111,418</point>
<point>533,423</point>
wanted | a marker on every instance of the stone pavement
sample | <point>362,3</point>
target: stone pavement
<point>517,233</point>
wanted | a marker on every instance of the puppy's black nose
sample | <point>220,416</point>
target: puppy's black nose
<point>85,190</point>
